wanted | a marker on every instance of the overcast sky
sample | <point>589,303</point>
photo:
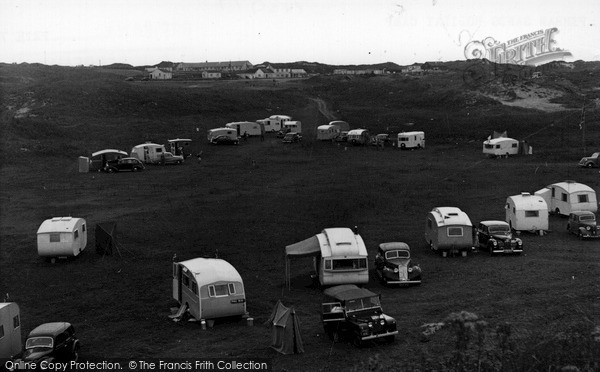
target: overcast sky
<point>144,32</point>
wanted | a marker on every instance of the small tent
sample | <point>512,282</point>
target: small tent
<point>106,238</point>
<point>285,330</point>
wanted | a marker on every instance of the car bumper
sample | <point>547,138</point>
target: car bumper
<point>379,335</point>
<point>396,281</point>
<point>507,250</point>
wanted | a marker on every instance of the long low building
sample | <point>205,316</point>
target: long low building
<point>214,66</point>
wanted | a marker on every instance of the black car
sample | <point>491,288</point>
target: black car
<point>292,137</point>
<point>356,313</point>
<point>393,264</point>
<point>51,342</point>
<point>496,237</point>
<point>124,164</point>
<point>583,224</point>
<point>224,140</point>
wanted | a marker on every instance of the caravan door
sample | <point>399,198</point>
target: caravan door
<point>176,281</point>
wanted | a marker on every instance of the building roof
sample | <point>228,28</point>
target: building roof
<point>341,242</point>
<point>213,64</point>
<point>450,216</point>
<point>59,224</point>
<point>211,270</point>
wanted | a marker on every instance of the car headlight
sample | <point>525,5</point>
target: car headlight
<point>494,242</point>
<point>410,269</point>
<point>370,325</point>
<point>382,322</point>
<point>587,228</point>
<point>396,270</point>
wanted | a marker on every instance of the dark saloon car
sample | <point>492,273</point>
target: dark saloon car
<point>292,137</point>
<point>50,342</point>
<point>583,224</point>
<point>394,266</point>
<point>356,313</point>
<point>225,140</point>
<point>496,237</point>
<point>124,164</point>
<point>590,161</point>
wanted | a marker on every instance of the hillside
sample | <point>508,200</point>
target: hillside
<point>246,203</point>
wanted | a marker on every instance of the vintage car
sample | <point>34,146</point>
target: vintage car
<point>292,137</point>
<point>496,237</point>
<point>355,313</point>
<point>394,266</point>
<point>590,161</point>
<point>124,164</point>
<point>583,224</point>
<point>224,140</point>
<point>50,342</point>
<point>343,137</point>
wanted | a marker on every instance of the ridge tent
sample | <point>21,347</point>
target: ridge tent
<point>285,325</point>
<point>105,238</point>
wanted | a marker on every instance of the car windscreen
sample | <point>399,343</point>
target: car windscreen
<point>397,254</point>
<point>38,342</point>
<point>498,229</point>
<point>362,303</point>
<point>587,218</point>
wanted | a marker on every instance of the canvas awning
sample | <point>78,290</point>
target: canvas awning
<point>305,248</point>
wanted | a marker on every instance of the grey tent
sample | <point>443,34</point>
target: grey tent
<point>285,330</point>
<point>106,237</point>
<point>307,248</point>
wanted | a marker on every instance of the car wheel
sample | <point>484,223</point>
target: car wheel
<point>76,353</point>
<point>178,161</point>
<point>590,165</point>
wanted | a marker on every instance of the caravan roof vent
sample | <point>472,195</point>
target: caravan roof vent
<point>54,219</point>
<point>451,214</point>
<point>525,194</point>
<point>65,219</point>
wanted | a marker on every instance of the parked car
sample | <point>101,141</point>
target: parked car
<point>583,224</point>
<point>169,158</point>
<point>590,161</point>
<point>343,137</point>
<point>394,266</point>
<point>124,164</point>
<point>283,132</point>
<point>354,312</point>
<point>51,342</point>
<point>224,140</point>
<point>381,138</point>
<point>496,237</point>
<point>292,137</point>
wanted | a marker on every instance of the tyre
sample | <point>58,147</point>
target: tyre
<point>75,356</point>
<point>590,165</point>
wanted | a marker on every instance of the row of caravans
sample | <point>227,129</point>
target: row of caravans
<point>275,123</point>
<point>150,153</point>
<point>331,131</point>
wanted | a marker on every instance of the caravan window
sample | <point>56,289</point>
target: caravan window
<point>564,197</point>
<point>16,322</point>
<point>55,238</point>
<point>327,264</point>
<point>231,288</point>
<point>488,146</point>
<point>532,213</point>
<point>76,234</point>
<point>553,192</point>
<point>350,264</point>
<point>186,280</point>
<point>83,227</point>
<point>455,231</point>
<point>194,287</point>
<point>582,198</point>
<point>158,149</point>
<point>1,331</point>
<point>219,290</point>
<point>514,145</point>
<point>497,146</point>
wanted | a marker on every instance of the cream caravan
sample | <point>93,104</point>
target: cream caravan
<point>340,256</point>
<point>61,237</point>
<point>10,330</point>
<point>526,212</point>
<point>327,132</point>
<point>209,288</point>
<point>448,229</point>
<point>274,123</point>
<point>150,153</point>
<point>411,140</point>
<point>250,128</point>
<point>501,146</point>
<point>569,196</point>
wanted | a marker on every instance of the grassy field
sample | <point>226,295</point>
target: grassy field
<point>246,203</point>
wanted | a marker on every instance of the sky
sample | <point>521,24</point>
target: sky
<point>340,32</point>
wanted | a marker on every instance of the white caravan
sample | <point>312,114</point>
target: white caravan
<point>502,146</point>
<point>411,140</point>
<point>10,330</point>
<point>250,128</point>
<point>148,152</point>
<point>526,212</point>
<point>569,196</point>
<point>61,237</point>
